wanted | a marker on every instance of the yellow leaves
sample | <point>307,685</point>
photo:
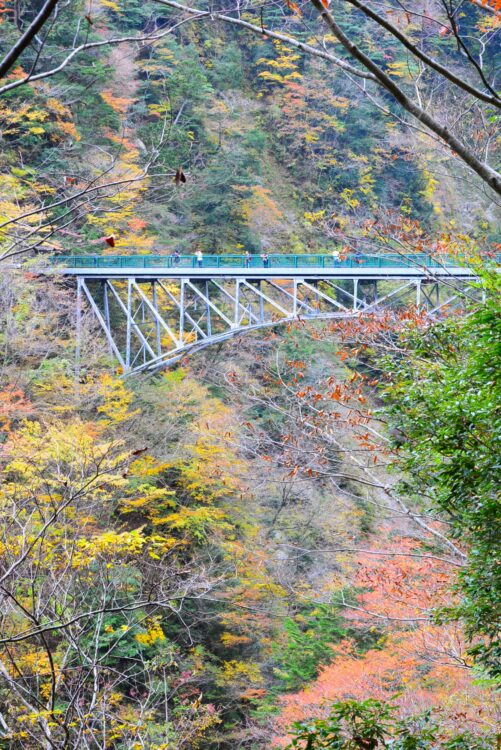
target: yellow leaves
<point>235,672</point>
<point>146,466</point>
<point>57,459</point>
<point>314,217</point>
<point>160,110</point>
<point>57,107</point>
<point>280,63</point>
<point>367,183</point>
<point>34,717</point>
<point>278,66</point>
<point>152,500</point>
<point>152,635</point>
<point>32,115</point>
<point>110,544</point>
<point>142,243</point>
<point>159,545</point>
<point>349,199</point>
<point>35,662</point>
<point>31,119</point>
<point>341,102</point>
<point>116,400</point>
<point>230,640</point>
<point>267,76</point>
<point>196,522</point>
<point>311,137</point>
<point>431,185</point>
<point>111,5</point>
<point>404,69</point>
<point>333,122</point>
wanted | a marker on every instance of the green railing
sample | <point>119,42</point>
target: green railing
<point>355,260</point>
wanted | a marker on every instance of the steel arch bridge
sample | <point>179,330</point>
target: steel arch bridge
<point>154,310</point>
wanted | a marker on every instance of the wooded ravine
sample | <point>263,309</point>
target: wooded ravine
<point>290,539</point>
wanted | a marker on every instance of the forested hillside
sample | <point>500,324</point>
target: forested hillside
<point>290,539</point>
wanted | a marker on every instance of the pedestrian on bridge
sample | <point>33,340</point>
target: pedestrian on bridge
<point>265,259</point>
<point>200,258</point>
<point>335,257</point>
<point>176,256</point>
<point>248,259</point>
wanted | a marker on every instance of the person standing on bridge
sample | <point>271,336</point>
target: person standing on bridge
<point>248,259</point>
<point>335,257</point>
<point>200,258</point>
<point>265,259</point>
<point>176,257</point>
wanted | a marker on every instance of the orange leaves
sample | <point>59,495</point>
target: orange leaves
<point>136,225</point>
<point>13,405</point>
<point>415,658</point>
<point>494,5</point>
<point>292,6</point>
<point>336,393</point>
<point>119,103</point>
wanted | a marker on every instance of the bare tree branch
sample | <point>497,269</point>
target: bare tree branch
<point>25,40</point>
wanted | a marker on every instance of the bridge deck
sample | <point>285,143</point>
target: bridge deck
<point>307,272</point>
<point>389,266</point>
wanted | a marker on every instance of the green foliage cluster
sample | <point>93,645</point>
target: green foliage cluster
<point>308,644</point>
<point>444,399</point>
<point>371,724</point>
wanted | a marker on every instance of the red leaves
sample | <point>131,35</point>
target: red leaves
<point>110,240</point>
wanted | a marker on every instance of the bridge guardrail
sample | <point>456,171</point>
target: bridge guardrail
<point>359,260</point>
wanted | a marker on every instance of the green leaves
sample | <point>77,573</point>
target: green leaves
<point>444,398</point>
<point>372,725</point>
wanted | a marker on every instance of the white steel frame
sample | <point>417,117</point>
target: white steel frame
<point>150,323</point>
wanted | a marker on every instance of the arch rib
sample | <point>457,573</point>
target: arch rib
<point>133,316</point>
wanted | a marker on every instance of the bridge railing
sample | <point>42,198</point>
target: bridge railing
<point>357,260</point>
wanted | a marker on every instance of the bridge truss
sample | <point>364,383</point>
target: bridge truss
<point>154,321</point>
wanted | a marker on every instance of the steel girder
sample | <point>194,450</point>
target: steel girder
<point>151,323</point>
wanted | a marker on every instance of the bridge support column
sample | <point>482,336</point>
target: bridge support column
<point>129,324</point>
<point>182,291</point>
<point>355,295</point>
<point>157,322</point>
<point>78,348</point>
<point>236,319</point>
<point>207,311</point>
<point>418,293</point>
<point>106,304</point>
